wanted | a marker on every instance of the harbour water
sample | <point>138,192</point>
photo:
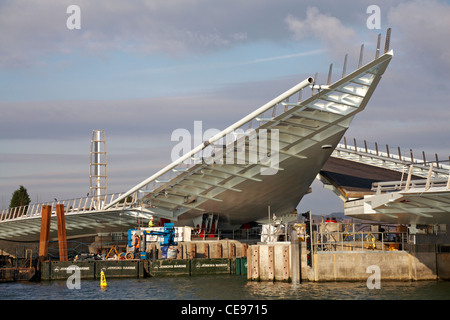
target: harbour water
<point>222,287</point>
<point>223,297</point>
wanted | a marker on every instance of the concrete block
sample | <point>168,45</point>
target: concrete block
<point>443,265</point>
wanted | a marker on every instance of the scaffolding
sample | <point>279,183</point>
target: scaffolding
<point>98,178</point>
<point>329,236</point>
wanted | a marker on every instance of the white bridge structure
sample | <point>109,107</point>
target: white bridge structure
<point>386,187</point>
<point>234,176</point>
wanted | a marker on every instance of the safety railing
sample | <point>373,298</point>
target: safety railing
<point>71,206</point>
<point>345,237</point>
<point>251,234</point>
<point>84,251</point>
<point>413,184</point>
<point>431,181</point>
<point>398,160</point>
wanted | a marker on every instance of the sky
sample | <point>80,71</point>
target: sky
<point>141,69</point>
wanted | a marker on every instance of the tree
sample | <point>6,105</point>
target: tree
<point>20,197</point>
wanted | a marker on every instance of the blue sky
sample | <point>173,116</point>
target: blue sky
<point>141,69</point>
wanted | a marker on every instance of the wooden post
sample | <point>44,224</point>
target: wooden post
<point>232,251</point>
<point>249,263</point>
<point>244,247</point>
<point>62,238</point>
<point>219,250</point>
<point>192,251</point>
<point>180,251</point>
<point>206,250</point>
<point>45,232</point>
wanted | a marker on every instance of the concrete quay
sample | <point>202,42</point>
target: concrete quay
<point>278,261</point>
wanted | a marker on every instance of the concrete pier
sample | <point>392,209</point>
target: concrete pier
<point>270,262</point>
<point>393,265</point>
<point>274,261</point>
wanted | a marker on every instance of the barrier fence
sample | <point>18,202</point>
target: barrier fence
<point>76,205</point>
<point>352,237</point>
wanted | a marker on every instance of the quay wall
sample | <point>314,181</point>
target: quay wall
<point>354,266</point>
<point>273,262</point>
<point>279,261</point>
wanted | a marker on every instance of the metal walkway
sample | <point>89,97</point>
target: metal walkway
<point>84,216</point>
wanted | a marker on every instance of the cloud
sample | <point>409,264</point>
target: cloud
<point>410,106</point>
<point>421,32</point>
<point>72,120</point>
<point>36,32</point>
<point>408,110</point>
<point>287,56</point>
<point>336,38</point>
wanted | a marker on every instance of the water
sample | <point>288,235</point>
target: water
<point>224,287</point>
<point>223,297</point>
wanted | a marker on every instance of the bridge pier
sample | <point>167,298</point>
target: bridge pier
<point>45,232</point>
<point>62,238</point>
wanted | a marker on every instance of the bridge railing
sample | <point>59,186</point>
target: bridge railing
<point>71,206</point>
<point>398,160</point>
<point>431,181</point>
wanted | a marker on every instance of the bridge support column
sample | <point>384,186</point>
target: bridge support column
<point>62,238</point>
<point>45,232</point>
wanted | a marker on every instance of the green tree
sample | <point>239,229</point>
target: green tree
<point>20,197</point>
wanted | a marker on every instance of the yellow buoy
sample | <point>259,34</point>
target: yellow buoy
<point>102,279</point>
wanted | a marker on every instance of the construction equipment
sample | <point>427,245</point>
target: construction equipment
<point>129,256</point>
<point>115,250</point>
<point>168,235</point>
